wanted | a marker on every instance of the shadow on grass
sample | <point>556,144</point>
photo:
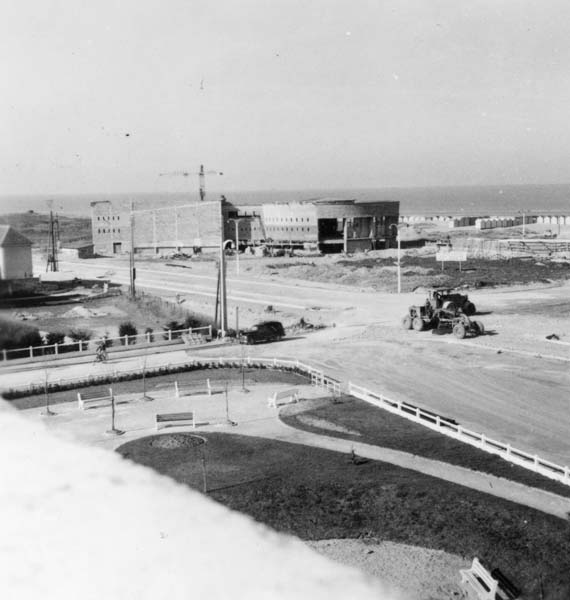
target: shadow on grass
<point>378,427</point>
<point>318,494</point>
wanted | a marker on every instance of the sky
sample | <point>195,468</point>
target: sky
<point>101,97</point>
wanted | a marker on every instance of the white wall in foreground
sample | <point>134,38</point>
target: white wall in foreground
<point>82,523</point>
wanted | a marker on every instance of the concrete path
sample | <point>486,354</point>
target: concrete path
<point>254,418</point>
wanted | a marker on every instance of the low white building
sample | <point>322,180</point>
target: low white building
<point>15,255</point>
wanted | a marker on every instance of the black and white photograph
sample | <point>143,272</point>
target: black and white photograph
<point>285,300</point>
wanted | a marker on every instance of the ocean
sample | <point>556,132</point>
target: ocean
<point>466,200</point>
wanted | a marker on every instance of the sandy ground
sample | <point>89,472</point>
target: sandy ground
<point>419,573</point>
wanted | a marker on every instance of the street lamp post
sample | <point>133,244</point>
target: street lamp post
<point>399,256</point>
<point>236,223</point>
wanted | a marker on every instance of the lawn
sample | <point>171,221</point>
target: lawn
<point>318,494</point>
<point>365,423</point>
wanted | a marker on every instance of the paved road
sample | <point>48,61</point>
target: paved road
<point>502,385</point>
<point>202,281</point>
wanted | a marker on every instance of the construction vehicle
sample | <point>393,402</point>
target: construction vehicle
<point>444,310</point>
<point>441,297</point>
<point>457,322</point>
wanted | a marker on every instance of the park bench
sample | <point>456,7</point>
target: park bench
<point>174,419</point>
<point>181,389</point>
<point>291,395</point>
<point>488,586</point>
<point>97,397</point>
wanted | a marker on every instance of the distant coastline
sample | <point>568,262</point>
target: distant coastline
<point>453,200</point>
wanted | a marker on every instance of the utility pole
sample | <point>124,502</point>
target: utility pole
<point>223,289</point>
<point>132,270</point>
<point>399,257</point>
<point>53,241</point>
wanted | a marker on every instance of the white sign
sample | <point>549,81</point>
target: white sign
<point>451,255</point>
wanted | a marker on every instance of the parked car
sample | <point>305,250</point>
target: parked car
<point>266,331</point>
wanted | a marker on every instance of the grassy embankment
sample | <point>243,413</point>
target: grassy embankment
<point>354,419</point>
<point>318,494</point>
<point>422,271</point>
<point>35,226</point>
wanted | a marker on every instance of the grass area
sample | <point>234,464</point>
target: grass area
<point>371,425</point>
<point>218,378</point>
<point>145,312</point>
<point>35,226</point>
<point>318,494</point>
<point>423,271</point>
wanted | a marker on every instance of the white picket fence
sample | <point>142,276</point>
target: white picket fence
<point>317,377</point>
<point>321,380</point>
<point>156,337</point>
<point>452,429</point>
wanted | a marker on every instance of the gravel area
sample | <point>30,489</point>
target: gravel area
<point>417,573</point>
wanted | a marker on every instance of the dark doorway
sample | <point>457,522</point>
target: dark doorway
<point>117,247</point>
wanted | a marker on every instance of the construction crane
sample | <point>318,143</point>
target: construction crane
<point>201,177</point>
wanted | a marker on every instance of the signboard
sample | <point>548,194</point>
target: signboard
<point>451,256</point>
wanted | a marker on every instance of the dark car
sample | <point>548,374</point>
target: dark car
<point>266,331</point>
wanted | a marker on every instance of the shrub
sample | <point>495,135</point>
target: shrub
<point>79,335</point>
<point>149,334</point>
<point>14,334</point>
<point>128,333</point>
<point>173,326</point>
<point>54,337</point>
<point>190,322</point>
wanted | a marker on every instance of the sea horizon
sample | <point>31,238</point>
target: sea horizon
<point>472,200</point>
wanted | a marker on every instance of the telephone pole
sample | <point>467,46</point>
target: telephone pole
<point>53,241</point>
<point>132,270</point>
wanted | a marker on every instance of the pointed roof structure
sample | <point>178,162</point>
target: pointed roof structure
<point>10,237</point>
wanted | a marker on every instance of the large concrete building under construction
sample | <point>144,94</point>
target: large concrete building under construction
<point>326,224</point>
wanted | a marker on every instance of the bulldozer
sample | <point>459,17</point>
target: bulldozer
<point>444,310</point>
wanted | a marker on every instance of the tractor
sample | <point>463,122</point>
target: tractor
<point>440,297</point>
<point>457,322</point>
<point>444,310</point>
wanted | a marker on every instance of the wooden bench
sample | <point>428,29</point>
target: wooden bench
<point>181,389</point>
<point>98,398</point>
<point>291,395</point>
<point>181,418</point>
<point>480,580</point>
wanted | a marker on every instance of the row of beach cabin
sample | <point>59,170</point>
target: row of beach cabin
<point>488,222</point>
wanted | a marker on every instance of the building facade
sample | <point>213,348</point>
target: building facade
<point>327,224</point>
<point>15,254</point>
<point>332,225</point>
<point>159,230</point>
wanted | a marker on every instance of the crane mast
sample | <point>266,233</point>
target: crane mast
<point>201,178</point>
